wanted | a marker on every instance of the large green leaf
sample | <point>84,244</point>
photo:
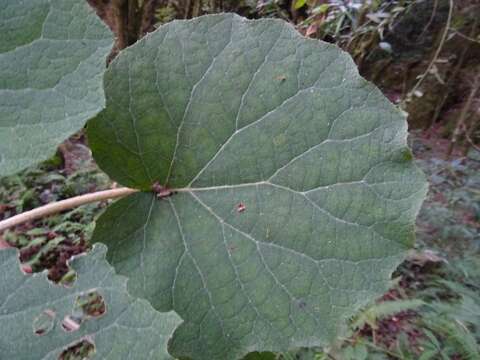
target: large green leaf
<point>296,194</point>
<point>129,329</point>
<point>52,58</point>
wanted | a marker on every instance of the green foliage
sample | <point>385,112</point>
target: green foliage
<point>299,3</point>
<point>453,314</point>
<point>453,210</point>
<point>374,313</point>
<point>52,58</point>
<point>41,320</point>
<point>457,338</point>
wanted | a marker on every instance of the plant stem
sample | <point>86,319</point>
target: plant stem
<point>133,22</point>
<point>460,127</point>
<point>119,11</point>
<point>63,205</point>
<point>436,55</point>
<point>147,17</point>
<point>454,74</point>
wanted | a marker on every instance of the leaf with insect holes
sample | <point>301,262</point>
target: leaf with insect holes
<point>294,191</point>
<point>52,58</point>
<point>39,319</point>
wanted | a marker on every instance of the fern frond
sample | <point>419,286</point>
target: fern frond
<point>384,309</point>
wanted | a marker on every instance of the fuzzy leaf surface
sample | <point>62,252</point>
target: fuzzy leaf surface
<point>52,58</point>
<point>296,193</point>
<point>129,329</point>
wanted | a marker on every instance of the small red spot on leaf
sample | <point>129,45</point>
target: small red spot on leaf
<point>241,207</point>
<point>44,322</point>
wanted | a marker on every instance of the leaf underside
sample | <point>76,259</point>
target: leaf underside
<point>52,58</point>
<point>296,191</point>
<point>129,329</point>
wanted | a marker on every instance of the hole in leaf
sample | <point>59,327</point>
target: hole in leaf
<point>90,304</point>
<point>80,350</point>
<point>44,322</point>
<point>70,323</point>
<point>68,279</point>
<point>86,306</point>
<point>41,249</point>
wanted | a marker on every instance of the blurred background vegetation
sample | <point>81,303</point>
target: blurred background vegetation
<point>425,57</point>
